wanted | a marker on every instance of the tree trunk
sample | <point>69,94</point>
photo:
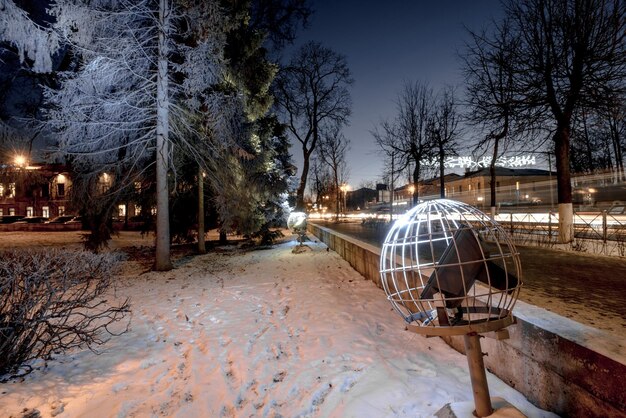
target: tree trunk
<point>337,191</point>
<point>162,260</point>
<point>392,186</point>
<point>300,206</point>
<point>201,231</point>
<point>617,149</point>
<point>588,150</point>
<point>416,177</point>
<point>563,178</point>
<point>493,179</point>
<point>442,183</point>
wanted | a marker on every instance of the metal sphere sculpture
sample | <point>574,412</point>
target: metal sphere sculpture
<point>297,222</point>
<point>449,269</point>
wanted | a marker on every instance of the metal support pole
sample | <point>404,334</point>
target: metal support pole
<point>604,226</point>
<point>550,226</point>
<point>550,174</point>
<point>474,355</point>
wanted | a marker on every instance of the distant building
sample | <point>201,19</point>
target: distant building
<point>35,190</point>
<point>527,186</point>
<point>480,180</point>
<point>428,188</point>
<point>361,198</point>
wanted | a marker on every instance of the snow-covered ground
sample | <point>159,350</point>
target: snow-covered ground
<point>265,333</point>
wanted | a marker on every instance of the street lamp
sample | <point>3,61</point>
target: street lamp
<point>20,160</point>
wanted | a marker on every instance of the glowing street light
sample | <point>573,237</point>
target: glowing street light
<point>344,188</point>
<point>20,160</point>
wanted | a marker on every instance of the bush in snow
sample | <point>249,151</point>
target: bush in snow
<point>52,301</point>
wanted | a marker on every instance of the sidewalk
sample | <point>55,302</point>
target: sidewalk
<point>260,333</point>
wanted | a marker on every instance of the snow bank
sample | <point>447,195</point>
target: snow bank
<point>264,333</point>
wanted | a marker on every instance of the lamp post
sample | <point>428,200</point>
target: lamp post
<point>344,189</point>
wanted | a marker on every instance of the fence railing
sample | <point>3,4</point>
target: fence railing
<point>600,232</point>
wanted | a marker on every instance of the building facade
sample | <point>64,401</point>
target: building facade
<point>35,190</point>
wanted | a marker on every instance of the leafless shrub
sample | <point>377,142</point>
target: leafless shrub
<point>52,301</point>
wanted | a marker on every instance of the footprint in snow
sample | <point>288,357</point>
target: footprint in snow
<point>279,377</point>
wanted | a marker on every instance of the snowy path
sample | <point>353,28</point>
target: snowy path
<point>265,333</point>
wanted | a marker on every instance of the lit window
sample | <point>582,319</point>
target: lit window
<point>137,186</point>
<point>1,189</point>
<point>29,211</point>
<point>104,182</point>
<point>11,191</point>
<point>121,211</point>
<point>45,212</point>
<point>153,211</point>
<point>1,212</point>
<point>137,210</point>
<point>11,211</point>
<point>61,210</point>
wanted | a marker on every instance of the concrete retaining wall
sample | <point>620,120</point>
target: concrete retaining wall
<point>560,365</point>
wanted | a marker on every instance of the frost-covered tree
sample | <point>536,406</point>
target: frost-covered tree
<point>27,46</point>
<point>130,102</point>
<point>33,42</point>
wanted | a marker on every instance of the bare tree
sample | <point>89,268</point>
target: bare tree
<point>444,131</point>
<point>572,55</point>
<point>405,138</point>
<point>332,151</point>
<point>491,91</point>
<point>311,91</point>
<point>53,301</point>
<point>615,119</point>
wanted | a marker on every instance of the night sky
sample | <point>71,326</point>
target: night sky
<point>386,43</point>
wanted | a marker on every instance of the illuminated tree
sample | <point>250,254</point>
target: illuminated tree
<point>128,104</point>
<point>26,61</point>
<point>250,195</point>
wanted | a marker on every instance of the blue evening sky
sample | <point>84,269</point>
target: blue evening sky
<point>386,43</point>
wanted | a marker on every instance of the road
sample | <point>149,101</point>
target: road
<point>588,288</point>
